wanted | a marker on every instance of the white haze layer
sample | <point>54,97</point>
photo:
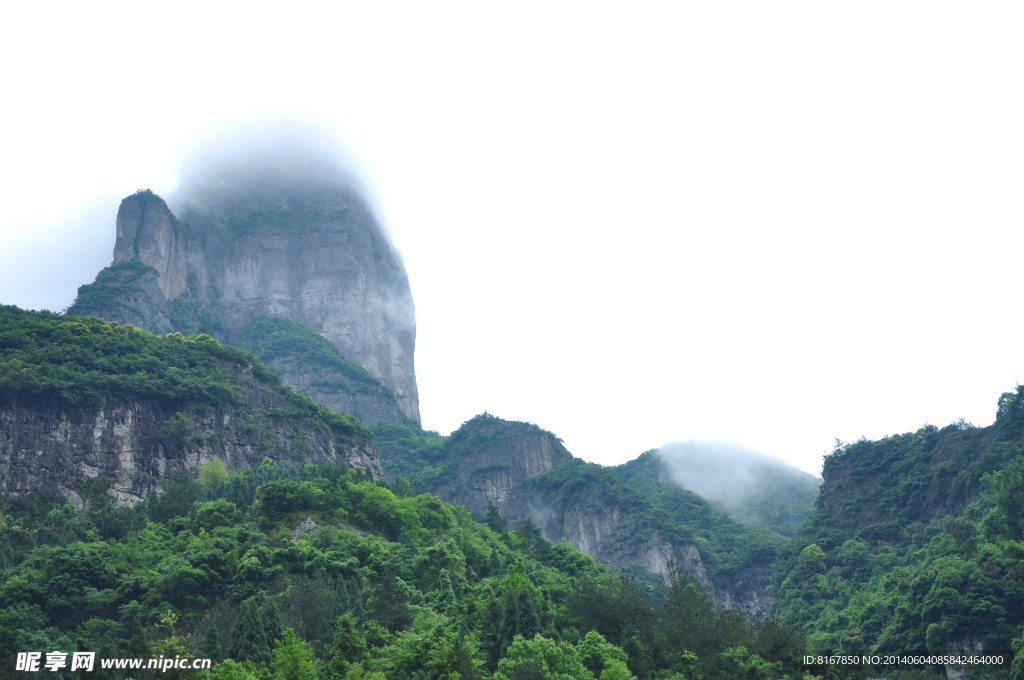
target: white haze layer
<point>727,473</point>
<point>270,160</point>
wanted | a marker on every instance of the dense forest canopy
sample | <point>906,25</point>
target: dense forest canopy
<point>915,544</point>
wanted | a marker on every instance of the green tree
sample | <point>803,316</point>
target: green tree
<point>445,595</point>
<point>249,635</point>
<point>347,645</point>
<point>389,602</point>
<point>271,615</point>
<point>229,669</point>
<point>293,658</point>
<point>209,646</point>
<point>213,472</point>
<point>519,619</point>
<point>595,652</point>
<point>494,520</point>
<point>543,659</point>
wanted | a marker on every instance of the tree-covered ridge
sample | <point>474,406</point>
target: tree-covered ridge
<point>146,199</point>
<point>272,337</point>
<point>115,286</point>
<point>51,361</point>
<point>411,453</point>
<point>384,585</point>
<point>484,430</point>
<point>916,542</point>
<point>429,460</point>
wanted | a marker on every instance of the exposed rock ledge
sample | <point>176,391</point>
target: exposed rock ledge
<point>136,445</point>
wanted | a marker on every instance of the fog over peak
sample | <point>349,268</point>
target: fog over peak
<point>266,166</point>
<point>731,475</point>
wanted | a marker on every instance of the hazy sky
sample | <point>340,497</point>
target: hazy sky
<point>772,224</point>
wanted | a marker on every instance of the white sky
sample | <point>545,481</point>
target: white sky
<point>774,224</point>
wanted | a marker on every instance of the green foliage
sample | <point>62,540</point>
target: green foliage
<point>190,315</point>
<point>915,542</point>
<point>542,658</point>
<point>282,497</point>
<point>728,549</point>
<point>213,472</point>
<point>412,453</point>
<point>120,281</point>
<point>52,361</point>
<point>272,338</point>
<point>222,560</point>
<point>270,221</point>
<point>293,658</point>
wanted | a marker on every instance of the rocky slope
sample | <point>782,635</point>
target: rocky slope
<point>267,244</point>
<point>492,458</point>
<point>132,446</point>
<point>526,473</point>
<point>96,420</point>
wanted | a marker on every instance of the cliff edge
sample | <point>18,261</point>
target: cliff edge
<point>252,243</point>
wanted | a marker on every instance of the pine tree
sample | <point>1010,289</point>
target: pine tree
<point>445,597</point>
<point>494,566</point>
<point>209,646</point>
<point>138,640</point>
<point>347,646</point>
<point>108,650</point>
<point>389,603</point>
<point>342,598</point>
<point>272,620</point>
<point>355,600</point>
<point>249,637</point>
<point>519,618</point>
<point>494,520</point>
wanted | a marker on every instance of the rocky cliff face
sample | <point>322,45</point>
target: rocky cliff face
<point>492,459</point>
<point>526,472</point>
<point>135,444</point>
<point>309,252</point>
<point>148,232</point>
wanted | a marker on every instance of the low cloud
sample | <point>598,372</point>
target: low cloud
<point>270,165</point>
<point>732,475</point>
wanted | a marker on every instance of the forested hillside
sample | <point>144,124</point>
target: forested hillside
<point>288,568</point>
<point>916,543</point>
<point>370,584</point>
<point>260,545</point>
<point>627,516</point>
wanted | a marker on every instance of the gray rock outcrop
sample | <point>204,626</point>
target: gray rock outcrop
<point>133,445</point>
<point>255,241</point>
<point>510,465</point>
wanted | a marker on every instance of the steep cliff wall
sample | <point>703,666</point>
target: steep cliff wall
<point>136,445</point>
<point>82,398</point>
<point>307,252</point>
<point>492,457</point>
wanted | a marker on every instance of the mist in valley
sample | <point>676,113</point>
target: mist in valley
<point>752,487</point>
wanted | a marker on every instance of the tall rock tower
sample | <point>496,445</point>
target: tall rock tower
<point>271,248</point>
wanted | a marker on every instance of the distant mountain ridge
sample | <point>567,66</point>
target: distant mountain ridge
<point>628,515</point>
